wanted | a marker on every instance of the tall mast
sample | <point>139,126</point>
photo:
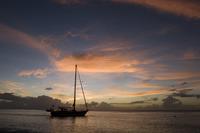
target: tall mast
<point>74,108</point>
<point>82,90</point>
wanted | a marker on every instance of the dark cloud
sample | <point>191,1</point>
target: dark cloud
<point>171,102</point>
<point>145,101</point>
<point>184,83</point>
<point>49,89</point>
<point>11,101</point>
<point>137,102</point>
<point>185,95</point>
<point>84,56</point>
<point>185,90</point>
<point>93,104</point>
<point>180,86</point>
<point>154,99</point>
<point>17,102</point>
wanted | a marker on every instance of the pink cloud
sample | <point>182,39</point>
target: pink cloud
<point>190,55</point>
<point>13,35</point>
<point>187,8</point>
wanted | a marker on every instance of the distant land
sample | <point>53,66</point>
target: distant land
<point>11,101</point>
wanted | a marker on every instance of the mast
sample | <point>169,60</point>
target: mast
<point>74,108</point>
<point>82,90</point>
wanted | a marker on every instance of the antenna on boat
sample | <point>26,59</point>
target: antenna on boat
<point>74,105</point>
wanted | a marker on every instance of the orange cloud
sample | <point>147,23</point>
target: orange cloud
<point>121,94</point>
<point>151,92</point>
<point>142,85</point>
<point>12,35</point>
<point>188,8</point>
<point>106,57</point>
<point>190,55</point>
<point>38,73</point>
<point>175,75</point>
<point>97,63</point>
<point>116,57</point>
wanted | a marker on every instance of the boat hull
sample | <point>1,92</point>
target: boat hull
<point>68,113</point>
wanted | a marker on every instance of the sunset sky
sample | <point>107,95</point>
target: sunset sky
<point>126,50</point>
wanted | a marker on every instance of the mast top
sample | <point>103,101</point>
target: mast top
<point>74,104</point>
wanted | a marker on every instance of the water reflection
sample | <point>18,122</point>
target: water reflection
<point>100,122</point>
<point>67,124</point>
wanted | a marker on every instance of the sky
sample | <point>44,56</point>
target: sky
<point>126,50</point>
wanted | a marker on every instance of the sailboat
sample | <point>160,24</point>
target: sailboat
<point>64,112</point>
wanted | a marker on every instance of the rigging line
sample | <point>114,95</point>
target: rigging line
<point>82,90</point>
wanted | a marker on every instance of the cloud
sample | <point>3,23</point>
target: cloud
<point>171,102</point>
<point>10,34</point>
<point>112,46</point>
<point>13,87</point>
<point>63,97</point>
<point>184,83</point>
<point>185,95</point>
<point>184,90</point>
<point>180,86</point>
<point>142,85</point>
<point>187,8</point>
<point>62,91</point>
<point>81,34</point>
<point>96,63</point>
<point>106,57</point>
<point>49,89</point>
<point>137,102</point>
<point>38,73</point>
<point>150,92</point>
<point>191,55</point>
<point>145,101</point>
<point>18,102</point>
<point>173,75</point>
<point>70,2</point>
<point>117,92</point>
<point>118,56</point>
<point>154,99</point>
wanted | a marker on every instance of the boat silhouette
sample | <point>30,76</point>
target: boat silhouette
<point>65,112</point>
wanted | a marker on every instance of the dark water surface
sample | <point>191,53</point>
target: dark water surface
<point>36,121</point>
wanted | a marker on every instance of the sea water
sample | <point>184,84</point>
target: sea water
<point>37,121</point>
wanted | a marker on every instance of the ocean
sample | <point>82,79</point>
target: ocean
<point>37,121</point>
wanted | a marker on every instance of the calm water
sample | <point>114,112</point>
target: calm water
<point>32,121</point>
